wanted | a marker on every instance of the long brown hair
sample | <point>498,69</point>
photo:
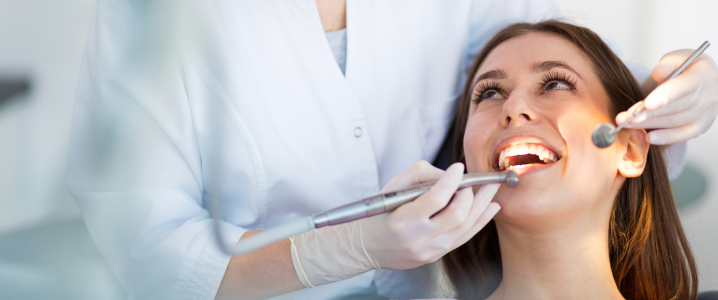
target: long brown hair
<point>649,253</point>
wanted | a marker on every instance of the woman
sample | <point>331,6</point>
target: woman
<point>585,223</point>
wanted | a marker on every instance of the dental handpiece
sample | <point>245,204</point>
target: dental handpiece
<point>365,208</point>
<point>387,202</point>
<point>605,134</point>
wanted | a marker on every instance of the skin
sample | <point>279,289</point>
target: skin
<point>333,14</point>
<point>553,228</point>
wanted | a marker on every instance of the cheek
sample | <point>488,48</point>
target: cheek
<point>478,131</point>
<point>575,122</point>
<point>589,171</point>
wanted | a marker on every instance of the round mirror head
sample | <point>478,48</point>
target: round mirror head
<point>602,137</point>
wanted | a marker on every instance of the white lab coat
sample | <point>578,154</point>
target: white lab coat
<point>266,123</point>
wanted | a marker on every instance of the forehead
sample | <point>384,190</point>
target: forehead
<point>519,53</point>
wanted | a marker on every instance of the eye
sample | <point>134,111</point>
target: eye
<point>490,90</point>
<point>557,85</point>
<point>557,81</point>
<point>491,94</point>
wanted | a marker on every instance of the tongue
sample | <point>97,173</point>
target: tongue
<point>525,160</point>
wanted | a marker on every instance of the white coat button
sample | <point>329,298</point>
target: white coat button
<point>357,132</point>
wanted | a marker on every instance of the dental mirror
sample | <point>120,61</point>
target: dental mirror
<point>605,134</point>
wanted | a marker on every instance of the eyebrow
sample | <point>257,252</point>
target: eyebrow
<point>545,66</point>
<point>493,74</point>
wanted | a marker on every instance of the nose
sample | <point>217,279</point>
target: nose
<point>518,111</point>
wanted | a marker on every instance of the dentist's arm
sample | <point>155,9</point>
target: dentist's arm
<point>261,274</point>
<point>415,234</point>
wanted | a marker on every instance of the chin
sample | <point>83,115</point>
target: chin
<point>523,205</point>
<point>537,200</point>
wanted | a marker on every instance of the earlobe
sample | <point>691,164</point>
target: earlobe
<point>634,159</point>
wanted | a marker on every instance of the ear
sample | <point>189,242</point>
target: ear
<point>634,159</point>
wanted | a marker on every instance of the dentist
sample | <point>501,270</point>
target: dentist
<point>296,107</point>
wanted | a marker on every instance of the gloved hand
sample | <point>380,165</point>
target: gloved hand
<point>415,234</point>
<point>684,107</point>
<point>424,230</point>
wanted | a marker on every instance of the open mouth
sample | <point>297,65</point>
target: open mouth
<point>525,155</point>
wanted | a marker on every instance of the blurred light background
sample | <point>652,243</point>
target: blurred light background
<point>45,250</point>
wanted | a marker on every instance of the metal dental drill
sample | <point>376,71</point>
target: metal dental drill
<point>388,202</point>
<point>605,134</point>
<point>367,207</point>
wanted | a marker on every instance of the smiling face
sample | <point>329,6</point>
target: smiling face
<point>536,100</point>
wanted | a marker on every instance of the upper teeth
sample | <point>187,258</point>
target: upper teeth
<point>542,152</point>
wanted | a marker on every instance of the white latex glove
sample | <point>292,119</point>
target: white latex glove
<point>424,230</point>
<point>682,108</point>
<point>415,234</point>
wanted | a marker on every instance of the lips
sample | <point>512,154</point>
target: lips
<point>523,152</point>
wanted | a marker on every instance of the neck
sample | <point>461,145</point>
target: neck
<point>332,13</point>
<point>566,263</point>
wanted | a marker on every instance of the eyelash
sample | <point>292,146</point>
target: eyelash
<point>483,87</point>
<point>560,77</point>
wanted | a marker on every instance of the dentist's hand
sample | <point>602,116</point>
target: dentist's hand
<point>437,222</point>
<point>682,108</point>
<point>415,234</point>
